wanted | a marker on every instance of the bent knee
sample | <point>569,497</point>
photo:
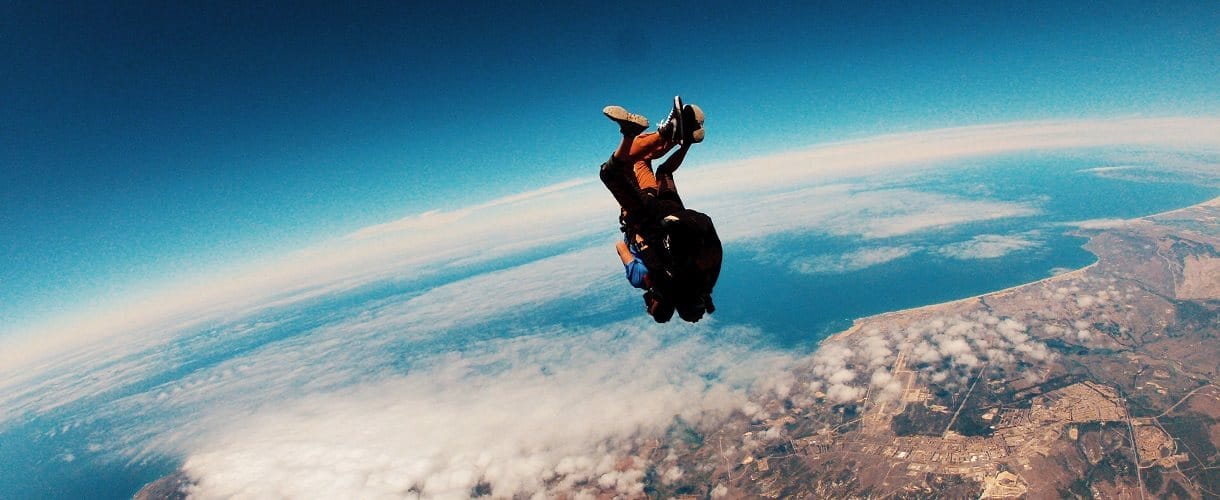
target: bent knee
<point>612,172</point>
<point>606,171</point>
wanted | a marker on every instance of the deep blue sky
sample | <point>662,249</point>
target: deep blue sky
<point>143,142</point>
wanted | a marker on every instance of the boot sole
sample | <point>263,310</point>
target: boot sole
<point>695,114</point>
<point>621,116</point>
<point>697,136</point>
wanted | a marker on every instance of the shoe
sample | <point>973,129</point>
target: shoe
<point>630,124</point>
<point>692,118</point>
<point>671,127</point>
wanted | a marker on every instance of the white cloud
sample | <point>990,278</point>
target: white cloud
<point>942,350</point>
<point>851,261</point>
<point>989,246</point>
<point>1098,223</point>
<point>590,276</point>
<point>437,220</point>
<point>527,415</point>
<point>584,273</point>
<point>853,210</point>
<point>1099,170</point>
<point>1159,167</point>
<point>842,393</point>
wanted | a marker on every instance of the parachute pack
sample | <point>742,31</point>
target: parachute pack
<point>691,259</point>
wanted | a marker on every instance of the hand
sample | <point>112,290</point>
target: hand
<point>624,254</point>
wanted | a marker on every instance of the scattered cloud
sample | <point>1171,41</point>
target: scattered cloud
<point>990,246</point>
<point>1098,223</point>
<point>1161,168</point>
<point>945,351</point>
<point>851,261</point>
<point>1102,170</point>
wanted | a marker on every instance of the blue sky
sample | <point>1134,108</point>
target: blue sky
<point>142,143</point>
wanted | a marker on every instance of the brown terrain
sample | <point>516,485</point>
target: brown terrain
<point>1097,383</point>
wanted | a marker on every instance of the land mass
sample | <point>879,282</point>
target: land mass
<point>1096,383</point>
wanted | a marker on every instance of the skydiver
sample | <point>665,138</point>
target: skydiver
<point>668,250</point>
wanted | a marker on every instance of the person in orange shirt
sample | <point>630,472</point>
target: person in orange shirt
<point>668,250</point>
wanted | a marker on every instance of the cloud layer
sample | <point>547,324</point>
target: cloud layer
<point>522,416</point>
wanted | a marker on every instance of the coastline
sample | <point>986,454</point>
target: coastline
<point>859,323</point>
<point>1214,202</point>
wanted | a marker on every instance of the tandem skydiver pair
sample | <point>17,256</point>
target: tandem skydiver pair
<point>669,251</point>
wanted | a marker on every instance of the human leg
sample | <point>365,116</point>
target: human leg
<point>630,124</point>
<point>692,119</point>
<point>643,149</point>
<point>644,178</point>
<point>638,150</point>
<point>623,151</point>
<point>653,144</point>
<point>684,126</point>
<point>628,173</point>
<point>666,187</point>
<point>634,145</point>
<point>616,173</point>
<point>649,146</point>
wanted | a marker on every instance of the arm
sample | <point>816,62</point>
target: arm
<point>674,161</point>
<point>666,187</point>
<point>623,252</point>
<point>637,272</point>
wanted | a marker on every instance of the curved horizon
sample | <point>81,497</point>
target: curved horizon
<point>510,225</point>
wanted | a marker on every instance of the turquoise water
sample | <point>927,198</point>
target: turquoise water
<point>797,311</point>
<point>793,311</point>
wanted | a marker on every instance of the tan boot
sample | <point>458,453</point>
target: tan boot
<point>630,124</point>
